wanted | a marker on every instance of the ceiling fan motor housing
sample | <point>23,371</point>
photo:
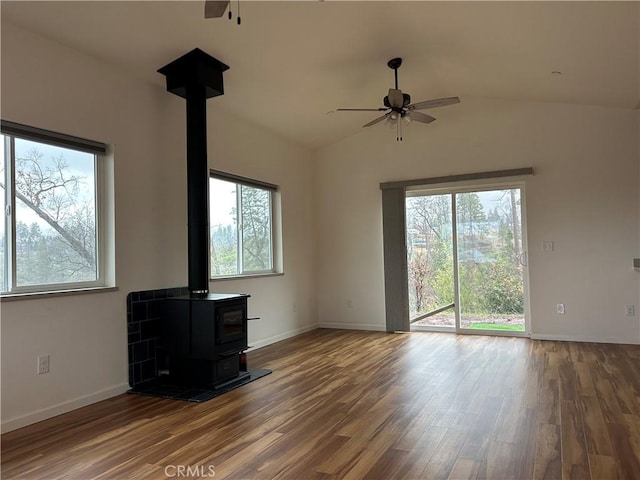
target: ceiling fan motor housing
<point>406,100</point>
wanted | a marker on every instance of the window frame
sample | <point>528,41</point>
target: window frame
<point>274,231</point>
<point>11,131</point>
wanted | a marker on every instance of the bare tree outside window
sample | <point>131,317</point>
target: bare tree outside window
<point>55,215</point>
<point>429,252</point>
<point>489,254</point>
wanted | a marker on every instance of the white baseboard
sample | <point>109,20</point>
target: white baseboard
<point>60,408</point>
<point>64,407</point>
<point>282,336</point>
<point>374,327</point>
<point>584,338</point>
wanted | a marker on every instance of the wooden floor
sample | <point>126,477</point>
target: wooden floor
<point>347,404</point>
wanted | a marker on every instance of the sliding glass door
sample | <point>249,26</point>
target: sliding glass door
<point>430,261</point>
<point>466,260</point>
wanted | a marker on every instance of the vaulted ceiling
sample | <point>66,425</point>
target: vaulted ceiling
<point>292,62</point>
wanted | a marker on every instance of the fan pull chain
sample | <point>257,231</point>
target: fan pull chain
<point>238,19</point>
<point>398,130</point>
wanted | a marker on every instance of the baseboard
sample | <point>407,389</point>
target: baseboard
<point>354,326</point>
<point>282,336</point>
<point>60,408</point>
<point>584,338</point>
<point>64,407</point>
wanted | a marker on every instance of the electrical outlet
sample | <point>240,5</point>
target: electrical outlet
<point>547,246</point>
<point>631,310</point>
<point>349,303</point>
<point>560,309</point>
<point>43,364</point>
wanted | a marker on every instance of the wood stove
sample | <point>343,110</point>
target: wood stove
<point>204,337</point>
<point>204,334</point>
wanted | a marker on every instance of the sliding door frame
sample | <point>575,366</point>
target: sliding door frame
<point>394,234</point>
<point>478,187</point>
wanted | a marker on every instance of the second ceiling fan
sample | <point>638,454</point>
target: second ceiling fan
<point>398,106</point>
<point>216,8</point>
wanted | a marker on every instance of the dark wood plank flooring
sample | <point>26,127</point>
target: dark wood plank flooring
<point>368,405</point>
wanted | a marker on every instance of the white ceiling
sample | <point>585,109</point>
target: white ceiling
<point>292,62</point>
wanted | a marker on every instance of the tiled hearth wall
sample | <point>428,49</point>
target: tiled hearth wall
<point>143,326</point>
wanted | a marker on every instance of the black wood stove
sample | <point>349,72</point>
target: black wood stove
<point>205,337</point>
<point>204,334</point>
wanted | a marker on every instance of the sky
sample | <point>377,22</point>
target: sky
<point>222,199</point>
<point>79,164</point>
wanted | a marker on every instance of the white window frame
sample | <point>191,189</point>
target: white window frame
<point>274,224</point>
<point>104,278</point>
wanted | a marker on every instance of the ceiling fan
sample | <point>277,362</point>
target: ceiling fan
<point>398,106</point>
<point>216,9</point>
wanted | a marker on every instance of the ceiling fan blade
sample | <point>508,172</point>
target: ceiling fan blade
<point>376,120</point>
<point>420,117</point>
<point>437,102</point>
<point>396,99</point>
<point>381,109</point>
<point>215,8</point>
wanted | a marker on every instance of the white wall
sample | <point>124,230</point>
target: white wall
<point>584,197</point>
<point>285,304</point>
<point>50,86</point>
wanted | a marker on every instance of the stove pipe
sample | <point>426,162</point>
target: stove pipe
<point>195,77</point>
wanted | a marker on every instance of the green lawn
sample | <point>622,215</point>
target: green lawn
<point>496,326</point>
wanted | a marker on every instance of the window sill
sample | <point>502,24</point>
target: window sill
<point>10,297</point>
<point>247,276</point>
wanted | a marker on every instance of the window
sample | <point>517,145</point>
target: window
<point>241,221</point>
<point>50,236</point>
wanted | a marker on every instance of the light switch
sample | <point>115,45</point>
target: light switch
<point>547,246</point>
